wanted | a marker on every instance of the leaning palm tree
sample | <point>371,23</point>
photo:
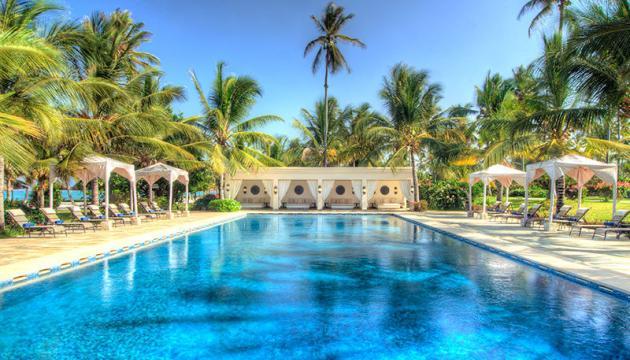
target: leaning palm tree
<point>545,8</point>
<point>25,59</point>
<point>330,25</point>
<point>232,142</point>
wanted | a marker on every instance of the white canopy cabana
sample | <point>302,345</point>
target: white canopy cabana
<point>158,171</point>
<point>503,174</point>
<point>577,167</point>
<point>100,167</point>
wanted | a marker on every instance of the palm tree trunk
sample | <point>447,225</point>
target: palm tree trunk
<point>414,180</point>
<point>619,167</point>
<point>561,6</point>
<point>69,192</point>
<point>500,192</point>
<point>9,190</point>
<point>95,192</point>
<point>1,193</point>
<point>150,193</point>
<point>221,190</point>
<point>40,195</point>
<point>326,117</point>
<point>559,193</point>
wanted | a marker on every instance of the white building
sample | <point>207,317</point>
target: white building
<point>319,188</point>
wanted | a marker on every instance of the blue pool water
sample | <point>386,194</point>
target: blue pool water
<point>324,287</point>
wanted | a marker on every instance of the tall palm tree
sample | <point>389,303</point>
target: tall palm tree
<point>545,8</point>
<point>329,25</point>
<point>415,123</point>
<point>232,142</point>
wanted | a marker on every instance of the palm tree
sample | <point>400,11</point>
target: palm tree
<point>558,122</point>
<point>415,123</point>
<point>325,130</point>
<point>329,25</point>
<point>23,56</point>
<point>358,148</point>
<point>600,49</point>
<point>545,8</point>
<point>231,143</point>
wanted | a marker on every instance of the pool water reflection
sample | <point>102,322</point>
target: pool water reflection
<point>312,286</point>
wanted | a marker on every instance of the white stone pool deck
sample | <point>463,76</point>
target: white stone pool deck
<point>606,262</point>
<point>603,262</point>
<point>21,258</point>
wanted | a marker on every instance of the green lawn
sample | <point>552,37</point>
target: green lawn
<point>601,208</point>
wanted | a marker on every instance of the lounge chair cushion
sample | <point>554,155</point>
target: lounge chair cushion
<point>59,222</point>
<point>84,218</point>
<point>28,225</point>
<point>610,223</point>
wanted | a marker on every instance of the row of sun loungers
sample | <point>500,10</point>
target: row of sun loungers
<point>562,218</point>
<point>120,214</point>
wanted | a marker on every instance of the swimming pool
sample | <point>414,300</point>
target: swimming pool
<point>312,286</point>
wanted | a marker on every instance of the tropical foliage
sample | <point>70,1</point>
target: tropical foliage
<point>73,88</point>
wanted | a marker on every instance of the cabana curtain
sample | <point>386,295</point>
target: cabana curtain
<point>235,187</point>
<point>312,187</point>
<point>356,189</point>
<point>327,186</point>
<point>405,187</point>
<point>371,189</point>
<point>283,188</point>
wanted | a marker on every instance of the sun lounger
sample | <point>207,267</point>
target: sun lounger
<point>572,220</point>
<point>341,204</point>
<point>53,219</point>
<point>79,216</point>
<point>531,215</point>
<point>156,207</point>
<point>560,215</point>
<point>18,217</point>
<point>125,209</point>
<point>506,214</point>
<point>614,223</point>
<point>148,210</point>
<point>95,213</point>
<point>115,214</point>
<point>502,208</point>
<point>617,230</point>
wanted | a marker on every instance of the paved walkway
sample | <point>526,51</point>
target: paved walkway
<point>606,262</point>
<point>24,257</point>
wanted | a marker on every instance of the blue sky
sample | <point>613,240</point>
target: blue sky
<point>457,41</point>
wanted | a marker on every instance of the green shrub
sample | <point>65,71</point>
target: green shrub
<point>224,205</point>
<point>203,202</point>
<point>534,192</point>
<point>445,195</point>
